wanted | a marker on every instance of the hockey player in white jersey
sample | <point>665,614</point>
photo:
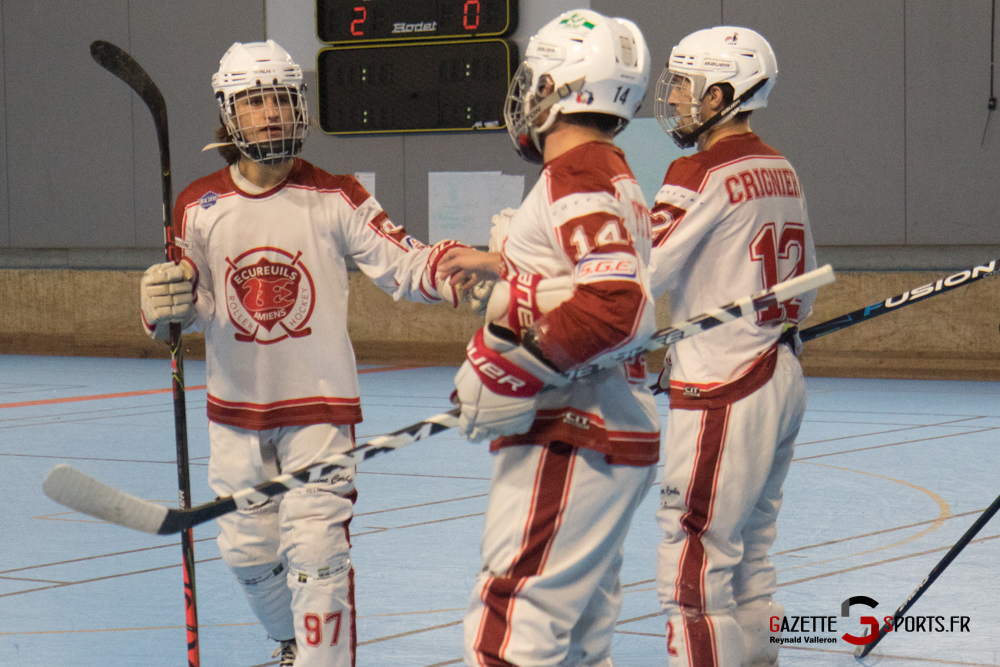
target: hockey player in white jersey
<point>261,270</point>
<point>729,220</point>
<point>571,463</point>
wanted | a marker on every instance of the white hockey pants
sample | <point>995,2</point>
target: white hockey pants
<point>291,555</point>
<point>719,501</point>
<point>548,593</point>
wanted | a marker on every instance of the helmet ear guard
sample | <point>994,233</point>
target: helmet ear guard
<point>521,124</point>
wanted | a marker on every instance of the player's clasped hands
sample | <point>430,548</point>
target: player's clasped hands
<point>467,274</point>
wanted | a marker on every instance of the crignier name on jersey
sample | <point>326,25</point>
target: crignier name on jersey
<point>753,184</point>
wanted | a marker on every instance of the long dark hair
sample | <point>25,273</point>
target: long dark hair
<point>230,153</point>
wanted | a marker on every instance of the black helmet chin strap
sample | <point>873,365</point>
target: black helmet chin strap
<point>688,139</point>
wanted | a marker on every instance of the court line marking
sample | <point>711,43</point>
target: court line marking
<point>910,427</point>
<point>149,392</point>
<point>221,625</point>
<point>86,558</point>
<point>871,534</point>
<point>883,562</point>
<point>945,512</point>
<point>894,657</point>
<point>209,560</point>
<point>894,444</point>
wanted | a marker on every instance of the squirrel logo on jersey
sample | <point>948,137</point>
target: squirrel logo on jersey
<point>268,297</point>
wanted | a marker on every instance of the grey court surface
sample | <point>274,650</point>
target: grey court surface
<point>887,475</point>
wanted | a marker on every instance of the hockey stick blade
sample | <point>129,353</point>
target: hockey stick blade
<point>908,297</point>
<point>121,64</point>
<point>72,488</point>
<point>748,305</point>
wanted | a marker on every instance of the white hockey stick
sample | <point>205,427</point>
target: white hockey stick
<point>72,488</point>
<point>748,305</point>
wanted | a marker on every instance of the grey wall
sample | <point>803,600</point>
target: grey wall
<point>881,106</point>
<point>79,161</point>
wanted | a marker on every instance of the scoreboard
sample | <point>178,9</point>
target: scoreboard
<point>414,65</point>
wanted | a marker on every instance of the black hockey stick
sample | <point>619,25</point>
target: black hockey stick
<point>72,488</point>
<point>899,301</point>
<point>983,519</point>
<point>124,66</point>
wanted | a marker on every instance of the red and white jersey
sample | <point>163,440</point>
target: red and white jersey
<point>586,218</point>
<point>272,290</point>
<point>728,222</point>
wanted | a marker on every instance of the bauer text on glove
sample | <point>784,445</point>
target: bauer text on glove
<point>497,385</point>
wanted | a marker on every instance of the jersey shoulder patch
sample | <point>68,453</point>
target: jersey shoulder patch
<point>206,190</point>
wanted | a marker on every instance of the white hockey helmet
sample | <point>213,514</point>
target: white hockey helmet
<point>594,63</point>
<point>257,71</point>
<point>724,54</point>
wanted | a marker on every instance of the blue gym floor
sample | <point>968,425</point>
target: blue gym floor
<point>887,475</point>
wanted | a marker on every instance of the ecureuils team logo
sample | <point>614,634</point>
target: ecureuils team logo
<point>269,295</point>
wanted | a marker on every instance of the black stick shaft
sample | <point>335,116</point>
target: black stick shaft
<point>894,303</point>
<point>983,519</point>
<point>125,67</point>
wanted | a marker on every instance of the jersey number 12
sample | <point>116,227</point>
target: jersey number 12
<point>782,257</point>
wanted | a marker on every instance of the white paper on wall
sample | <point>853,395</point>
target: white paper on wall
<point>461,204</point>
<point>367,180</point>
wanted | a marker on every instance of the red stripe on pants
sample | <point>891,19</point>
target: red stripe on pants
<point>555,468</point>
<point>354,617</point>
<point>690,593</point>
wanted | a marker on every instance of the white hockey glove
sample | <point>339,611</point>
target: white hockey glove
<point>167,295</point>
<point>480,294</point>
<point>434,283</point>
<point>479,297</point>
<point>498,232</point>
<point>497,384</point>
